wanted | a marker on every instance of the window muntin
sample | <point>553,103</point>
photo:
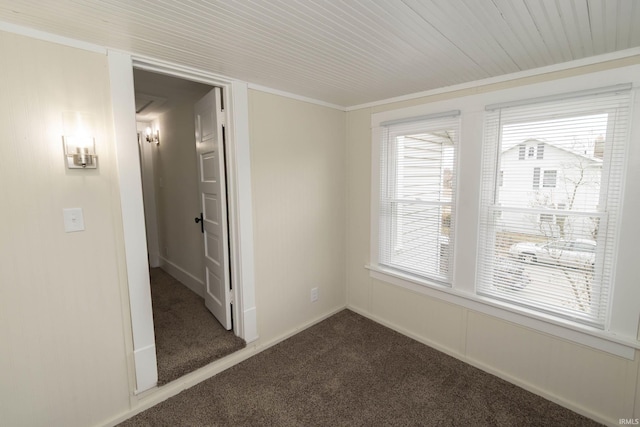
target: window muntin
<point>417,193</point>
<point>541,230</point>
<point>549,178</point>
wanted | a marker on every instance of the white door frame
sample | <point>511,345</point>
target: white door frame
<point>239,201</point>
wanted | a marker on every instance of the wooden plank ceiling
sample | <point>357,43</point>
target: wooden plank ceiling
<point>345,52</point>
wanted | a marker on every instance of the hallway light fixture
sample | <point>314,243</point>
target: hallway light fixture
<point>78,142</point>
<point>153,136</point>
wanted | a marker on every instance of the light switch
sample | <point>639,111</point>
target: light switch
<point>73,220</point>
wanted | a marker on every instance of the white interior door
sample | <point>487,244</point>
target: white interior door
<point>212,187</point>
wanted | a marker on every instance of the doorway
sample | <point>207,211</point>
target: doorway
<point>129,174</point>
<point>186,274</point>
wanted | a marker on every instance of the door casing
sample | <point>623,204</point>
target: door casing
<point>239,202</point>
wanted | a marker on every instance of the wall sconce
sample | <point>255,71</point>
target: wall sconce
<point>78,141</point>
<point>153,136</point>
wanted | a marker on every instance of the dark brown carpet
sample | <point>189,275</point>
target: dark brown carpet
<point>350,371</point>
<point>188,337</point>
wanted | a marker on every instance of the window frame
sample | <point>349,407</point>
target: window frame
<point>536,178</point>
<point>620,335</point>
<point>549,216</point>
<point>388,229</point>
<point>546,175</point>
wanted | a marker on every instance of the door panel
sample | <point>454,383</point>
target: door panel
<point>212,249</point>
<point>210,209</point>
<point>212,188</point>
<point>210,168</point>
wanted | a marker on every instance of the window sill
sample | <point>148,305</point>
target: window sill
<point>591,337</point>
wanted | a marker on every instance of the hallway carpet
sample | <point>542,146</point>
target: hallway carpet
<point>188,337</point>
<point>351,371</point>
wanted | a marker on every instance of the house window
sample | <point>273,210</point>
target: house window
<point>540,152</point>
<point>549,179</point>
<point>536,178</point>
<point>567,271</point>
<point>416,195</point>
<point>521,151</point>
<point>546,217</point>
<point>532,152</point>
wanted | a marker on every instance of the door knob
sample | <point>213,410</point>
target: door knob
<point>200,220</point>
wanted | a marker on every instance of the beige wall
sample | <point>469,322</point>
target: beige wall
<point>177,201</point>
<point>65,331</point>
<point>298,184</point>
<point>63,359</point>
<point>590,381</point>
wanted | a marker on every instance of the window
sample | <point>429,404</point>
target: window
<point>540,257</point>
<point>567,263</point>
<point>549,179</point>
<point>546,217</point>
<point>532,152</point>
<point>536,177</point>
<point>521,151</point>
<point>417,191</point>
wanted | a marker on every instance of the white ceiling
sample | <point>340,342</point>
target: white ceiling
<point>345,52</point>
<point>157,93</point>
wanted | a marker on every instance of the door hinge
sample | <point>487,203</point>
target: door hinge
<point>230,293</point>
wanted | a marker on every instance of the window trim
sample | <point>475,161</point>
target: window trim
<point>581,334</point>
<point>620,336</point>
<point>388,132</point>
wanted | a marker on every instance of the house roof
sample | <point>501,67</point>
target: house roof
<point>346,52</point>
<point>556,147</point>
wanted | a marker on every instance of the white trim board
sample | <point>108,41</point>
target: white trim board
<point>144,63</point>
<point>141,60</point>
<point>184,277</point>
<point>49,37</point>
<point>484,367</point>
<point>619,336</point>
<point>296,97</point>
<point>591,60</point>
<point>240,200</point>
<point>589,337</point>
<point>154,397</point>
<point>135,241</point>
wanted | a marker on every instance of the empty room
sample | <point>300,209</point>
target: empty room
<point>319,212</point>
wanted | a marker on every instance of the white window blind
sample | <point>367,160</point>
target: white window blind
<point>550,246</point>
<point>417,193</point>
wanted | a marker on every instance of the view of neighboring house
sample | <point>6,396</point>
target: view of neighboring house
<point>419,197</point>
<point>551,180</point>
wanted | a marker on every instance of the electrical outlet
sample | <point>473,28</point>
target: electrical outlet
<point>314,294</point>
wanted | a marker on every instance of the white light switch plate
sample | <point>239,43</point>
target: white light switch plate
<point>73,220</point>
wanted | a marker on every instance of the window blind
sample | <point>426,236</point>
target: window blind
<point>417,193</point>
<point>548,231</point>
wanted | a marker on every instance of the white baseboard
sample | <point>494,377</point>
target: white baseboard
<point>487,368</point>
<point>160,394</point>
<point>155,260</point>
<point>183,276</point>
<point>145,362</point>
<point>250,325</point>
